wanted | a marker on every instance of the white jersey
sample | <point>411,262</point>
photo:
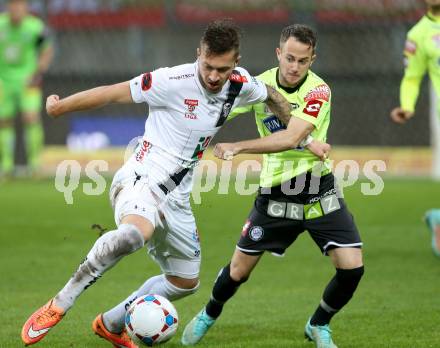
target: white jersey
<point>183,118</point>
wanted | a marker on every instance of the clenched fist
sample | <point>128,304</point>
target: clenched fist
<point>51,105</point>
<point>400,116</point>
<point>225,151</point>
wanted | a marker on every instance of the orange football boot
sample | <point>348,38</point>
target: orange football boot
<point>118,340</point>
<point>39,323</point>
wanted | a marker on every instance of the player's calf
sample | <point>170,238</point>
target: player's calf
<point>106,252</point>
<point>337,294</point>
<point>224,288</point>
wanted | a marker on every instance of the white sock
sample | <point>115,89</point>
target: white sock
<point>107,251</point>
<point>114,319</point>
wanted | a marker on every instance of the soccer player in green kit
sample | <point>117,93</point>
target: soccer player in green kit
<point>281,213</point>
<point>25,55</point>
<point>422,54</point>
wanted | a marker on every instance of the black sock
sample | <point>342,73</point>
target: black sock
<point>224,288</point>
<point>336,295</point>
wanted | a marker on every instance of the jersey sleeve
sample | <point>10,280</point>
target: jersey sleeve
<point>315,105</point>
<point>150,87</point>
<point>44,38</point>
<point>253,90</point>
<point>415,68</point>
<point>41,34</point>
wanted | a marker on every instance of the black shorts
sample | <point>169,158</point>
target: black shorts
<point>279,216</point>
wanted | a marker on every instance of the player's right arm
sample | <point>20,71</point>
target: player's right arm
<point>90,99</point>
<point>416,63</point>
<point>138,90</point>
<point>306,119</point>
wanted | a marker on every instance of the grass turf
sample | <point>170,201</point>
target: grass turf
<point>42,240</point>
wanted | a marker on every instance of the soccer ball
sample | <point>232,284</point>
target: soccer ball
<point>151,320</point>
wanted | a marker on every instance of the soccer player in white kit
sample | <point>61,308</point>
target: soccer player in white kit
<point>150,194</point>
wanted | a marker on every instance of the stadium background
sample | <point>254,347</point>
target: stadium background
<point>42,238</point>
<point>359,55</point>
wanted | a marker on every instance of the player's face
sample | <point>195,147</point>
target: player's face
<point>214,70</point>
<point>295,59</point>
<point>17,10</point>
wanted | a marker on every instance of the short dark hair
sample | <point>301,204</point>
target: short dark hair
<point>301,32</point>
<point>221,36</point>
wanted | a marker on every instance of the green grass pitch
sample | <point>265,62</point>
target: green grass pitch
<point>42,240</point>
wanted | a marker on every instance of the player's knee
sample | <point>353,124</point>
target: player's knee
<point>144,226</point>
<point>183,283</point>
<point>350,276</point>
<point>113,245</point>
<point>178,287</point>
<point>31,118</point>
<point>131,239</point>
<point>238,273</point>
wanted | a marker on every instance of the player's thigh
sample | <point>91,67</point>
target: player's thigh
<point>334,230</point>
<point>135,204</point>
<point>8,103</point>
<point>30,103</point>
<point>263,232</point>
<point>175,245</point>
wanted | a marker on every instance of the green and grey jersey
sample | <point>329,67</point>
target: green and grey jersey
<point>20,46</point>
<point>311,101</point>
<point>422,54</point>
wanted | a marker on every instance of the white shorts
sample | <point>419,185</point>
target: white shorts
<point>175,242</point>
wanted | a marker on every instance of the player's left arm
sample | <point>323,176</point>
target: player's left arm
<point>45,50</point>
<point>416,66</point>
<point>45,59</point>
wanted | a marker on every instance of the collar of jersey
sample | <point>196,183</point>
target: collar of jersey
<point>432,17</point>
<point>14,26</point>
<point>289,90</point>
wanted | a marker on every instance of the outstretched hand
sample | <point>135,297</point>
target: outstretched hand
<point>400,116</point>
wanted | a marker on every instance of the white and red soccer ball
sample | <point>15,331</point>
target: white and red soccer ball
<point>151,320</point>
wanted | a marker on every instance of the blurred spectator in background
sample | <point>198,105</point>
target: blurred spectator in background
<point>422,54</point>
<point>25,54</point>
